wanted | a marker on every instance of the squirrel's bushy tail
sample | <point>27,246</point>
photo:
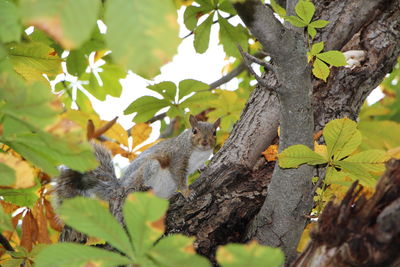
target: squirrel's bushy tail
<point>100,181</point>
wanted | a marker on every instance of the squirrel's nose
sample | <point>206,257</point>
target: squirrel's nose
<point>204,143</point>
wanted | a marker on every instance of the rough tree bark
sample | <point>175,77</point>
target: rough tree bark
<point>233,188</point>
<point>359,231</point>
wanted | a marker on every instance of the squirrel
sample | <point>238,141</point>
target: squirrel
<point>164,167</point>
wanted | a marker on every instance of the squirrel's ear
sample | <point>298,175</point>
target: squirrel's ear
<point>193,121</point>
<point>217,123</point>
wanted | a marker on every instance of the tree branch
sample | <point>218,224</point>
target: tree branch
<point>235,72</point>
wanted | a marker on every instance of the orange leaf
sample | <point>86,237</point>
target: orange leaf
<point>271,153</point>
<point>317,135</point>
<point>29,231</point>
<point>8,207</point>
<point>51,216</point>
<point>114,148</point>
<point>43,234</point>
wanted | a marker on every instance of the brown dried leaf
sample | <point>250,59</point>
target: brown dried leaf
<point>43,234</point>
<point>29,231</point>
<point>90,130</point>
<point>51,216</point>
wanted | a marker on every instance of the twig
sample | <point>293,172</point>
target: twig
<point>5,243</point>
<point>235,72</point>
<point>248,65</point>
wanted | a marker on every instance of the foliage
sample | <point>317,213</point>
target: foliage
<point>305,10</point>
<point>144,217</point>
<point>342,139</point>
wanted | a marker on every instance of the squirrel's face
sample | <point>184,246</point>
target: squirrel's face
<point>204,134</point>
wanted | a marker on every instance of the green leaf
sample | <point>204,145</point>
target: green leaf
<point>90,217</point>
<point>278,9</point>
<point>22,197</point>
<point>227,7</point>
<point>335,177</point>
<point>296,21</point>
<point>7,175</point>
<point>206,3</point>
<point>251,255</point>
<point>10,25</point>
<point>77,62</point>
<point>342,138</point>
<point>372,160</point>
<point>188,86</point>
<point>380,134</point>
<point>177,250</point>
<point>311,31</point>
<point>320,69</point>
<point>45,150</point>
<point>27,103</point>
<point>305,10</point>
<point>319,23</point>
<point>143,214</point>
<point>198,100</point>
<point>71,255</point>
<point>357,171</point>
<point>143,35</point>
<point>192,15</point>
<point>61,19</point>
<point>316,48</point>
<point>166,89</point>
<point>296,155</point>
<point>110,84</point>
<point>333,57</point>
<point>231,36</point>
<point>5,221</point>
<point>146,107</point>
<point>202,35</point>
<point>33,59</point>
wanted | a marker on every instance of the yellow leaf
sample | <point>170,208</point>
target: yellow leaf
<point>140,132</point>
<point>118,133</point>
<point>321,149</point>
<point>305,237</point>
<point>394,152</point>
<point>23,171</point>
<point>271,153</point>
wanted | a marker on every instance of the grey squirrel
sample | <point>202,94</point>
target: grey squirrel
<point>164,167</point>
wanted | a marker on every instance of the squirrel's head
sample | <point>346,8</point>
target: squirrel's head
<point>203,134</point>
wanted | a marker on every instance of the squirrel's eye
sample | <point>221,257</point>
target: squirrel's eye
<point>215,133</point>
<point>194,131</point>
